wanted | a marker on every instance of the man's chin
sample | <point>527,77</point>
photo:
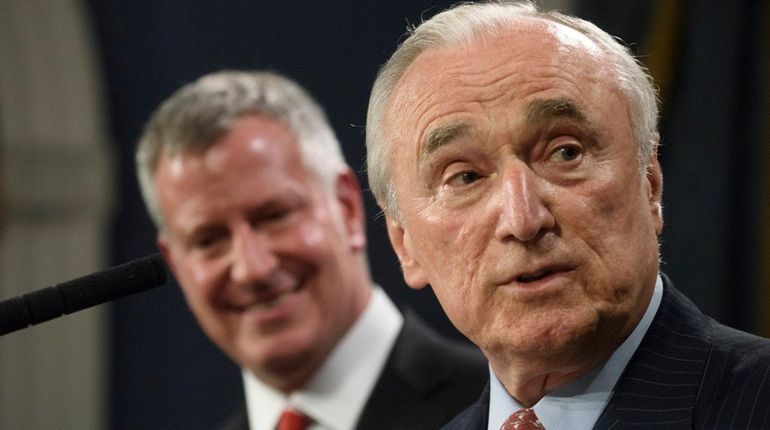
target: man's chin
<point>543,336</point>
<point>279,355</point>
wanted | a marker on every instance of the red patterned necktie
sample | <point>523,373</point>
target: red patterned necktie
<point>292,420</point>
<point>523,419</point>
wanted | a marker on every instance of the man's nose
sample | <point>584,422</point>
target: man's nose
<point>253,259</point>
<point>523,215</point>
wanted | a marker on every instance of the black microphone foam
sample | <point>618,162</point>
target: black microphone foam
<point>42,305</point>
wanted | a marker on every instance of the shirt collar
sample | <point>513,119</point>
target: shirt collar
<point>335,397</point>
<point>577,405</point>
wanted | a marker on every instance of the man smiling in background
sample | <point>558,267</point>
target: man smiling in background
<point>262,223</point>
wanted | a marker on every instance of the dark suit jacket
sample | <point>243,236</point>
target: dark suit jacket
<point>427,380</point>
<point>689,372</point>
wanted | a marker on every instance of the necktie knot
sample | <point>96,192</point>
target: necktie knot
<point>292,420</point>
<point>523,419</point>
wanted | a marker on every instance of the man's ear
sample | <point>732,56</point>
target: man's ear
<point>655,183</point>
<point>402,244</point>
<point>348,195</point>
<point>163,246</point>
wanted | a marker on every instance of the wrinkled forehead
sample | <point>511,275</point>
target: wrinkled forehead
<point>528,39</point>
<point>518,50</point>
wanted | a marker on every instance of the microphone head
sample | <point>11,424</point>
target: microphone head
<point>129,278</point>
<point>42,305</point>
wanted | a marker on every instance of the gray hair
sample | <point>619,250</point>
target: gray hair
<point>461,24</point>
<point>198,114</point>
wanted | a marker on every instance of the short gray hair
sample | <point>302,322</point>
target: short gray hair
<point>461,24</point>
<point>198,114</point>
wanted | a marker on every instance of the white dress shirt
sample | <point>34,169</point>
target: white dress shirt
<point>335,397</point>
<point>577,405</point>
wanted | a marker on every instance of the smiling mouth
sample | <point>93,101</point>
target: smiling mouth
<point>268,301</point>
<point>274,302</point>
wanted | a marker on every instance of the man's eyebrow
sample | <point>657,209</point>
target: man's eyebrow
<point>544,110</point>
<point>538,111</point>
<point>442,135</point>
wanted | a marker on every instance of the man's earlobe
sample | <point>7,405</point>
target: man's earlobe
<point>163,246</point>
<point>655,182</point>
<point>402,245</point>
<point>352,206</point>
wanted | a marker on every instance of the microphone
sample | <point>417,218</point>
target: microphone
<point>45,304</point>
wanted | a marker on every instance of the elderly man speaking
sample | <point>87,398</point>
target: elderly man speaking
<point>514,153</point>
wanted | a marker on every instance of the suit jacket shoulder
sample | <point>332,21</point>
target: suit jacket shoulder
<point>735,390</point>
<point>427,380</point>
<point>692,372</point>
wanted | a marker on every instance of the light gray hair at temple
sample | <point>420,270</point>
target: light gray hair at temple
<point>461,25</point>
<point>198,114</point>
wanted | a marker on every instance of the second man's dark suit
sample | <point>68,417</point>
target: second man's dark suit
<point>689,372</point>
<point>427,380</point>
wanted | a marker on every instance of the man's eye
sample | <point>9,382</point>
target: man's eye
<point>275,215</point>
<point>566,153</point>
<point>469,177</point>
<point>206,242</point>
<point>464,178</point>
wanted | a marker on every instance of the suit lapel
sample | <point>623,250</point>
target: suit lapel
<point>476,417</point>
<point>237,421</point>
<point>414,376</point>
<point>660,385</point>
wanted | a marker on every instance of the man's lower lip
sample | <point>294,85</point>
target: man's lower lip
<point>267,319</point>
<point>271,304</point>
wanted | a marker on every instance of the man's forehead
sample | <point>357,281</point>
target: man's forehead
<point>512,48</point>
<point>527,39</point>
<point>492,65</point>
<point>249,137</point>
<point>569,38</point>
